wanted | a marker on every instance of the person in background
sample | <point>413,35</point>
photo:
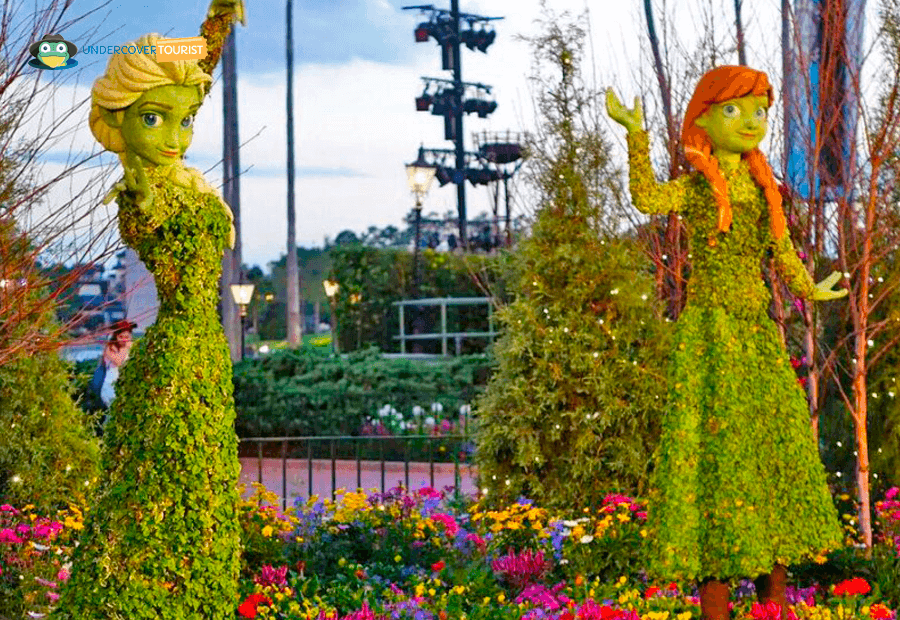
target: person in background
<point>115,353</point>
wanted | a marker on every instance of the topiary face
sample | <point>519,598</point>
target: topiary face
<point>736,126</point>
<point>159,126</point>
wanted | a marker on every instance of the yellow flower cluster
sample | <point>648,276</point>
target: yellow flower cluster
<point>350,506</point>
<point>260,509</point>
<point>514,517</point>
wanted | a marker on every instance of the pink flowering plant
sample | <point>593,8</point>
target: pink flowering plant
<point>34,551</point>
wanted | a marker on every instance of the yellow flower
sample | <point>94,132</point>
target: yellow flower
<point>267,531</point>
<point>432,591</point>
<point>624,518</point>
<point>397,558</point>
<point>501,597</point>
<point>420,589</point>
<point>487,599</point>
<point>643,533</point>
<point>684,616</point>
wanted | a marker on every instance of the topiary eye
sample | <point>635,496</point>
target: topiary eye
<point>731,111</point>
<point>61,48</point>
<point>761,114</point>
<point>45,47</point>
<point>151,120</point>
<point>187,121</point>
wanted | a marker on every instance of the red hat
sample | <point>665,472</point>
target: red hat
<point>123,326</point>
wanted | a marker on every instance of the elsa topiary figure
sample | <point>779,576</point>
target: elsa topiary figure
<point>162,538</point>
<point>738,489</point>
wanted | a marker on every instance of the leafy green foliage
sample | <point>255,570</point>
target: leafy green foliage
<point>579,385</point>
<point>310,392</point>
<point>371,279</point>
<point>162,537</point>
<point>47,456</point>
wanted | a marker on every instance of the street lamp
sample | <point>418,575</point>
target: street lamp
<point>331,291</point>
<point>419,176</point>
<point>243,295</point>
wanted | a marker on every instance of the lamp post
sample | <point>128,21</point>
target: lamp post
<point>243,295</point>
<point>331,291</point>
<point>419,175</point>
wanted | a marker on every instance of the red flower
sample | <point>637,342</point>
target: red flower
<point>851,587</point>
<point>248,608</point>
<point>438,566</point>
<point>651,591</point>
<point>879,611</point>
<point>672,586</point>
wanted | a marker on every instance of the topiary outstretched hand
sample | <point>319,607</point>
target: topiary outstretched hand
<point>632,120</point>
<point>823,288</point>
<point>228,7</point>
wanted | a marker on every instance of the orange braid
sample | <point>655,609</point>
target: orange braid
<point>718,85</point>
<point>761,172</point>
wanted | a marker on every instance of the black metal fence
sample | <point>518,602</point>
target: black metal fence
<point>419,449</point>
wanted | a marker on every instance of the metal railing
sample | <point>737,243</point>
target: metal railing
<point>444,335</point>
<point>332,442</point>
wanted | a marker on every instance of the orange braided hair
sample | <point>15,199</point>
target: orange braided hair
<point>718,85</point>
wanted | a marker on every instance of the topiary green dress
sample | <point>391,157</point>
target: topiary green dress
<point>738,484</point>
<point>162,539</point>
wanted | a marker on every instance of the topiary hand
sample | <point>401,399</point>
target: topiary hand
<point>632,120</point>
<point>823,288</point>
<point>136,180</point>
<point>228,7</point>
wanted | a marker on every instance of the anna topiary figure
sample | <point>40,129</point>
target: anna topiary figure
<point>162,539</point>
<point>738,489</point>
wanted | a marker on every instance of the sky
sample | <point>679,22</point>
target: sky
<point>356,74</point>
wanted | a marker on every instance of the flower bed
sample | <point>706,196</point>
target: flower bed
<point>426,556</point>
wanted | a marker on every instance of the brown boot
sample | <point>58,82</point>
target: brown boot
<point>772,588</point>
<point>714,596</point>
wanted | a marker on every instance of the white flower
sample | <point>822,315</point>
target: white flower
<point>570,523</point>
<point>465,409</point>
<point>586,539</point>
<point>16,479</point>
<point>429,421</point>
<point>417,411</point>
<point>615,291</point>
<point>384,411</point>
<point>437,407</point>
<point>398,415</point>
<point>644,296</point>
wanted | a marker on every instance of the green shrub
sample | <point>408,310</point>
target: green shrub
<point>48,457</point>
<point>308,391</point>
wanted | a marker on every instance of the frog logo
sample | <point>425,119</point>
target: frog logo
<point>53,52</point>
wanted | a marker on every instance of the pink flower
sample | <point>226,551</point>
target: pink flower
<point>891,494</point>
<point>522,569</point>
<point>53,596</point>
<point>449,523</point>
<point>270,576</point>
<point>9,536</point>
<point>429,492</point>
<point>8,508</point>
<point>63,575</point>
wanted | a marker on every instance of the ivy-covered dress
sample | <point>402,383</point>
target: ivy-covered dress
<point>162,539</point>
<point>738,484</point>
